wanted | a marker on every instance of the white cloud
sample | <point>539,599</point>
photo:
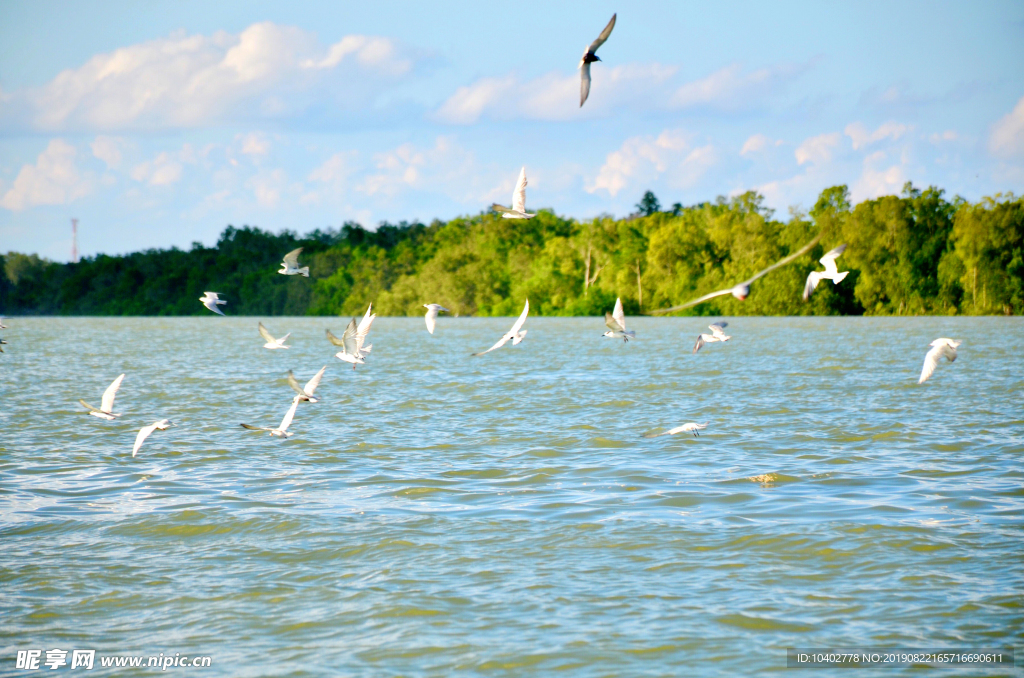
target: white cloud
<point>255,143</point>
<point>730,88</point>
<point>108,149</point>
<point>53,180</point>
<point>553,96</point>
<point>817,150</point>
<point>948,135</point>
<point>757,143</point>
<point>860,136</point>
<point>164,169</point>
<point>641,160</point>
<point>266,71</point>
<point>877,180</point>
<point>1007,138</point>
<point>267,187</point>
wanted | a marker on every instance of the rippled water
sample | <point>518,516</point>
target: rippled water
<point>438,514</point>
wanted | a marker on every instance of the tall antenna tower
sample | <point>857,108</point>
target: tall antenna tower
<point>74,241</point>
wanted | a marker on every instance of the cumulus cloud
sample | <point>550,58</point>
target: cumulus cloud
<point>554,96</point>
<point>164,169</point>
<point>641,160</point>
<point>1007,138</point>
<point>758,143</point>
<point>109,150</point>
<point>877,179</point>
<point>948,135</point>
<point>731,88</point>
<point>266,71</point>
<point>255,143</point>
<point>860,136</point>
<point>53,180</point>
<point>817,150</point>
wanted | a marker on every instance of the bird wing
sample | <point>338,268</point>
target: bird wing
<point>785,260</point>
<point>256,428</point>
<point>611,323</point>
<point>289,415</point>
<point>522,319</point>
<point>700,342</point>
<point>210,295</point>
<point>584,83</point>
<point>717,328</point>
<point>107,405</point>
<point>333,339</point>
<point>292,258</point>
<point>143,434</point>
<point>431,319</point>
<point>618,314</point>
<point>812,282</point>
<point>501,342</point>
<point>350,339</point>
<point>829,260</point>
<point>364,326</point>
<point>266,335</point>
<point>212,305</point>
<point>519,194</point>
<point>694,302</point>
<point>283,339</point>
<point>88,406</point>
<point>931,361</point>
<point>500,208</point>
<point>313,383</point>
<point>294,384</point>
<point>604,36</point>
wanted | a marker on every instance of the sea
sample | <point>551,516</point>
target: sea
<point>439,514</point>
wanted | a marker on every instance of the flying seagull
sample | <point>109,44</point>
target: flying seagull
<point>518,210</point>
<point>830,273</point>
<point>211,301</point>
<point>282,430</point>
<point>431,317</point>
<point>941,347</point>
<point>306,392</point>
<point>716,335</point>
<point>362,329</point>
<point>589,57</point>
<point>271,342</point>
<point>144,432</point>
<point>742,290</point>
<point>616,323</point>
<point>350,345</point>
<point>685,428</point>
<point>514,334</point>
<point>290,265</point>
<point>106,408</point>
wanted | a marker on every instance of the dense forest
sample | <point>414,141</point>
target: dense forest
<point>918,253</point>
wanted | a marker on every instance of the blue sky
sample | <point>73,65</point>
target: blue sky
<point>159,123</point>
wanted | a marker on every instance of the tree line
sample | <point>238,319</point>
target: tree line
<point>916,253</point>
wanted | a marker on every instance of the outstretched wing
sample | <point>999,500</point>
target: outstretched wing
<point>88,406</point>
<point>107,405</point>
<point>431,319</point>
<point>522,319</point>
<point>294,384</point>
<point>501,342</point>
<point>333,339</point>
<point>350,339</point>
<point>812,283</point>
<point>785,260</point>
<point>618,314</point>
<point>313,383</point>
<point>584,83</point>
<point>611,323</point>
<point>931,361</point>
<point>699,344</point>
<point>266,335</point>
<point>519,195</point>
<point>143,434</point>
<point>718,328</point>
<point>256,428</point>
<point>829,260</point>
<point>604,35</point>
<point>292,258</point>
<point>694,302</point>
<point>289,415</point>
<point>500,208</point>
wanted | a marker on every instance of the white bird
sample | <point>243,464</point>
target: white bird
<point>431,316</point>
<point>518,210</point>
<point>282,430</point>
<point>350,345</point>
<point>2,326</point>
<point>691,427</point>
<point>941,347</point>
<point>271,342</point>
<point>211,301</point>
<point>144,432</point>
<point>589,57</point>
<point>514,334</point>
<point>106,408</point>
<point>716,335</point>
<point>742,290</point>
<point>616,323</point>
<point>290,265</point>
<point>831,272</point>
<point>306,392</point>
<point>362,329</point>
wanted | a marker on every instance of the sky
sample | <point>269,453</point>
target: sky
<point>157,124</point>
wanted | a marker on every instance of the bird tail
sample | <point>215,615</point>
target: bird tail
<point>304,271</point>
<point>836,280</point>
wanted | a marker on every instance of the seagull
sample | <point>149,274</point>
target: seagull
<point>271,342</point>
<point>350,345</point>
<point>616,323</point>
<point>211,301</point>
<point>306,392</point>
<point>514,334</point>
<point>941,347</point>
<point>685,428</point>
<point>361,331</point>
<point>589,57</point>
<point>106,408</point>
<point>282,430</point>
<point>742,290</point>
<point>431,317</point>
<point>716,335</point>
<point>290,265</point>
<point>830,273</point>
<point>144,432</point>
<point>518,210</point>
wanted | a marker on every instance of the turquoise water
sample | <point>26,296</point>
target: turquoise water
<point>437,514</point>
